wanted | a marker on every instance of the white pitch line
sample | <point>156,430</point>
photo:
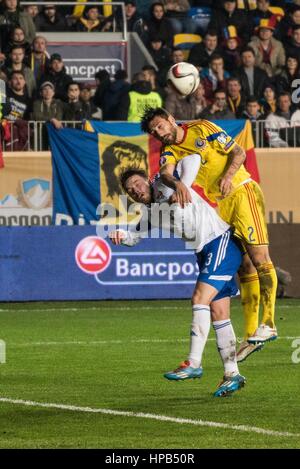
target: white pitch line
<point>112,342</point>
<point>161,418</point>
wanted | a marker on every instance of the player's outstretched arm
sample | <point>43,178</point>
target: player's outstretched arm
<point>237,156</point>
<point>126,238</point>
<point>182,193</point>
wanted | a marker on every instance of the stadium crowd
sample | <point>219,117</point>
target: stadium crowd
<point>247,54</point>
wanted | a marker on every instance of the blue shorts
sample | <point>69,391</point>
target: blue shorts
<point>218,263</point>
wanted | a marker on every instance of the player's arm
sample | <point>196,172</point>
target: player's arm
<point>237,156</point>
<point>126,238</point>
<point>182,193</point>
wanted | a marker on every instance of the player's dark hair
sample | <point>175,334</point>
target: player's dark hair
<point>127,173</point>
<point>150,113</point>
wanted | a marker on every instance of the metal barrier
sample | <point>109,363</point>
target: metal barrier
<point>276,134</point>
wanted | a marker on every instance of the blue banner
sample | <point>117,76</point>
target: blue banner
<point>71,263</point>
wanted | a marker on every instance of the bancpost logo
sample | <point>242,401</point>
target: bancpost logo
<point>93,255</point>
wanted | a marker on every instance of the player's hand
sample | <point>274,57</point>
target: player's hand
<point>117,237</point>
<point>225,186</point>
<point>183,195</point>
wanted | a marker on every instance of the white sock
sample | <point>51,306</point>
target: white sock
<point>199,332</point>
<point>226,343</point>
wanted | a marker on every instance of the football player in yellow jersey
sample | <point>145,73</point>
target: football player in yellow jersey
<point>240,203</point>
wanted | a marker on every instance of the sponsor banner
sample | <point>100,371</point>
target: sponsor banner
<point>71,263</point>
<point>26,190</point>
<point>83,59</point>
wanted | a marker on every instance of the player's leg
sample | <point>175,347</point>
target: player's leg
<point>226,341</point>
<point>201,299</point>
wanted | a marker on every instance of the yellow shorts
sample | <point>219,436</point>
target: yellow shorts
<point>244,210</point>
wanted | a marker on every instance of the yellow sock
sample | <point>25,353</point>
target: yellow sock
<point>268,286</point>
<point>250,294</point>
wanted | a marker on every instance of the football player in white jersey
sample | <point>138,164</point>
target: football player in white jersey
<point>219,257</point>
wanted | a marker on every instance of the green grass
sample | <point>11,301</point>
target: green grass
<point>123,372</point>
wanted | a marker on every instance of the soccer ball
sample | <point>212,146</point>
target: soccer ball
<point>184,77</point>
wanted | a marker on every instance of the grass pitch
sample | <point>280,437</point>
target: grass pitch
<point>112,355</point>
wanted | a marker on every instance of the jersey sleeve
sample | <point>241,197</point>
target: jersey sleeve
<point>219,139</point>
<point>167,156</point>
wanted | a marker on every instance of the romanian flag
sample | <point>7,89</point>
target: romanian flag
<point>87,164</point>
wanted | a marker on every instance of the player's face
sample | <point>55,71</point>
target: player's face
<point>138,189</point>
<point>163,129</point>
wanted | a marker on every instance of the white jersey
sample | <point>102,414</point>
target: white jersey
<point>197,223</point>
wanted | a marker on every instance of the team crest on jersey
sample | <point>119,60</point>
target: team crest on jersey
<point>199,143</point>
<point>222,138</point>
<point>162,160</point>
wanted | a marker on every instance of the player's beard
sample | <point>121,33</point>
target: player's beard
<point>170,138</point>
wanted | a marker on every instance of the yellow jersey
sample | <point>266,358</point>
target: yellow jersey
<point>213,145</point>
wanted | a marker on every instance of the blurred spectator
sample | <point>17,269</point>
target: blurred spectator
<point>278,126</point>
<point>284,30</point>
<point>177,55</point>
<point>16,63</point>
<point>230,15</point>
<point>58,76</point>
<point>113,95</point>
<point>253,79</point>
<point>49,19</point>
<point>252,110</point>
<point>177,12</point>
<point>73,108</point>
<point>39,59</point>
<point>134,102</point>
<point>231,49</point>
<point>236,100</point>
<point>90,111</point>
<point>261,12</point>
<point>269,53</point>
<point>292,46</point>
<point>200,101</point>
<point>158,26</point>
<point>17,38</point>
<point>149,74</point>
<point>218,109</point>
<point>91,21</point>
<point>290,72</point>
<point>103,83</point>
<point>12,15</point>
<point>269,100</point>
<point>201,53</point>
<point>181,107</point>
<point>214,76</point>
<point>133,18</point>
<point>17,97</point>
<point>32,10</point>
<point>160,53</point>
<point>47,107</point>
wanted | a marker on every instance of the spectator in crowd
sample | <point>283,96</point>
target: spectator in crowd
<point>17,38</point>
<point>149,74</point>
<point>214,77</point>
<point>50,20</point>
<point>159,26</point>
<point>103,83</point>
<point>261,12</point>
<point>134,102</point>
<point>253,79</point>
<point>90,111</point>
<point>133,18</point>
<point>16,63</point>
<point>230,15</point>
<point>231,49</point>
<point>218,109</point>
<point>269,100</point>
<point>269,53</point>
<point>284,30</point>
<point>113,95</point>
<point>58,76</point>
<point>177,55</point>
<point>278,123</point>
<point>47,107</point>
<point>291,72</point>
<point>292,46</point>
<point>160,53</point>
<point>236,100</point>
<point>177,12</point>
<point>73,108</point>
<point>200,101</point>
<point>252,110</point>
<point>17,97</point>
<point>12,15</point>
<point>39,59</point>
<point>201,53</point>
<point>181,107</point>
<point>32,10</point>
<point>91,21</point>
